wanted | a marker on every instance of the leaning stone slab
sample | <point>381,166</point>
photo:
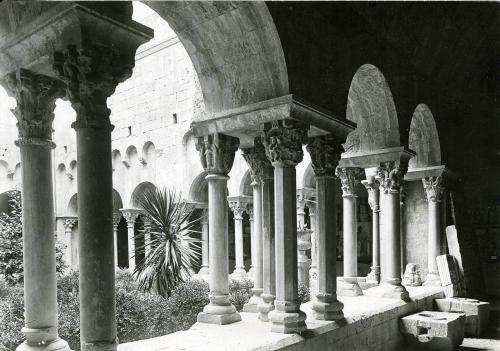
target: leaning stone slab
<point>450,276</point>
<point>433,330</point>
<point>477,313</point>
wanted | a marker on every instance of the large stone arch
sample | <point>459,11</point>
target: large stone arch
<point>424,139</point>
<point>138,191</point>
<point>371,106</point>
<point>198,191</point>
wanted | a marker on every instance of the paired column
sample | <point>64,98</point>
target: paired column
<point>238,209</point>
<point>434,189</point>
<point>131,216</point>
<point>217,156</point>
<point>350,177</point>
<point>204,270</point>
<point>372,187</point>
<point>36,95</point>
<point>283,142</point>
<point>69,224</point>
<point>117,216</point>
<point>325,153</point>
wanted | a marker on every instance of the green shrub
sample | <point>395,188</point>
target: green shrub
<point>303,294</point>
<point>11,318</point>
<point>240,291</point>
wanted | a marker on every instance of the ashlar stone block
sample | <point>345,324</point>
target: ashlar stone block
<point>433,330</point>
<point>477,313</point>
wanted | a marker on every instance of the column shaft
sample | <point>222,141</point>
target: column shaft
<point>131,244</point>
<point>350,238</point>
<point>434,191</point>
<point>204,245</point>
<point>239,269</point>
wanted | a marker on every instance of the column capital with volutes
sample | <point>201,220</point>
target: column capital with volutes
<point>434,188</point>
<point>372,186</point>
<point>283,142</point>
<point>217,153</point>
<point>391,175</point>
<point>325,152</point>
<point>257,161</point>
<point>130,215</point>
<point>349,177</point>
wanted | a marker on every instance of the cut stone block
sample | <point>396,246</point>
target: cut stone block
<point>433,330</point>
<point>450,276</point>
<point>477,313</point>
<point>412,275</point>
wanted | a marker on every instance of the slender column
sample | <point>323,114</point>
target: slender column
<point>402,198</point>
<point>390,175</point>
<point>303,241</point>
<point>283,142</point>
<point>268,245</point>
<point>35,96</point>
<point>313,271</point>
<point>130,216</point>
<point>349,178</point>
<point>217,156</point>
<point>204,270</point>
<point>434,189</point>
<point>252,242</point>
<point>147,234</point>
<point>238,209</point>
<point>117,216</point>
<point>372,187</point>
<point>69,224</point>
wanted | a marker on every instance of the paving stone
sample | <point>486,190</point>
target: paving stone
<point>476,312</point>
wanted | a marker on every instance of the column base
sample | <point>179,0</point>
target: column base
<point>389,291</point>
<point>348,286</point>
<point>432,279</point>
<point>374,275</point>
<point>56,345</point>
<point>219,314</point>
<point>100,346</point>
<point>266,306</point>
<point>238,274</point>
<point>287,318</point>
<point>252,304</point>
<point>327,307</point>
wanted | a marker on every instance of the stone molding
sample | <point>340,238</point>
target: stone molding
<point>217,152</point>
<point>391,175</point>
<point>349,178</point>
<point>36,96</point>
<point>325,154</point>
<point>373,189</point>
<point>283,142</point>
<point>434,188</point>
<point>257,160</point>
<point>45,143</point>
<point>91,74</point>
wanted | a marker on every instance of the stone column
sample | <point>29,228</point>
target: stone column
<point>349,178</point>
<point>390,175</point>
<point>36,96</point>
<point>303,241</point>
<point>217,156</point>
<point>434,189</point>
<point>130,216</point>
<point>238,209</point>
<point>313,271</point>
<point>252,241</point>
<point>257,162</point>
<point>146,220</point>
<point>402,198</point>
<point>268,244</point>
<point>372,187</point>
<point>325,153</point>
<point>204,270</point>
<point>69,224</point>
<point>283,142</point>
<point>117,216</point>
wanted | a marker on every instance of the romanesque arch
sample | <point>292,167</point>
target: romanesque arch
<point>371,106</point>
<point>198,191</point>
<point>424,139</point>
<point>149,152</point>
<point>246,184</point>
<point>308,180</point>
<point>72,209</point>
<point>138,191</point>
<point>131,156</point>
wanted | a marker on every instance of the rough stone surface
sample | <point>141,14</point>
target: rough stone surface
<point>476,312</point>
<point>449,273</point>
<point>412,275</point>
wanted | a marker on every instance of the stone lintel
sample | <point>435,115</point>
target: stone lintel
<point>247,122</point>
<point>451,178</point>
<point>64,24</point>
<point>64,218</point>
<point>375,158</point>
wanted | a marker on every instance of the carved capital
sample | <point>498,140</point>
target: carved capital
<point>257,161</point>
<point>373,194</point>
<point>117,216</point>
<point>325,154</point>
<point>217,152</point>
<point>130,216</point>
<point>36,97</point>
<point>283,142</point>
<point>391,175</point>
<point>434,188</point>
<point>91,74</point>
<point>249,210</point>
<point>349,178</point>
<point>238,209</point>
<point>69,224</point>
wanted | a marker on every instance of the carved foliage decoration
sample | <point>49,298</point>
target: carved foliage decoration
<point>434,188</point>
<point>91,75</point>
<point>238,209</point>
<point>217,152</point>
<point>373,194</point>
<point>391,175</point>
<point>325,154</point>
<point>36,97</point>
<point>349,178</point>
<point>283,142</point>
<point>257,160</point>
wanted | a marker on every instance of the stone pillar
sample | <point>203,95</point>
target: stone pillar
<point>117,216</point>
<point>303,241</point>
<point>36,96</point>
<point>252,241</point>
<point>402,239</point>
<point>268,245</point>
<point>204,270</point>
<point>69,224</point>
<point>283,142</point>
<point>146,220</point>
<point>217,156</point>
<point>257,162</point>
<point>372,187</point>
<point>349,178</point>
<point>130,216</point>
<point>434,189</point>
<point>390,175</point>
<point>313,271</point>
<point>238,209</point>
<point>325,153</point>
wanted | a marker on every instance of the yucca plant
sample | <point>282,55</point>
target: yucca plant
<point>168,261</point>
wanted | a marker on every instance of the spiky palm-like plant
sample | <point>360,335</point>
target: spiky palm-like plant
<point>171,251</point>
